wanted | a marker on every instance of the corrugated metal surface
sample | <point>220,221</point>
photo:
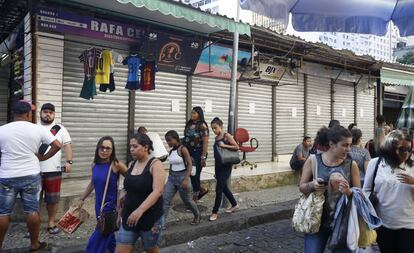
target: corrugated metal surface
<point>153,109</point>
<point>344,102</point>
<point>88,120</point>
<point>290,114</point>
<point>50,73</point>
<point>318,107</point>
<point>259,123</point>
<point>4,93</point>
<point>216,92</point>
<point>366,113</point>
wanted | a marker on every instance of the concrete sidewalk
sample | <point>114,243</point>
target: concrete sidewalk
<point>257,207</point>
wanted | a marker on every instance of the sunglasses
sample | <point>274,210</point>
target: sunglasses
<point>105,149</point>
<point>405,149</point>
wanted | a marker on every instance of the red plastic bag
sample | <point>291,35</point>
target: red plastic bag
<point>72,219</point>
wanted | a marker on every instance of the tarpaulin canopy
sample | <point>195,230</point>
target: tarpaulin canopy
<point>351,16</point>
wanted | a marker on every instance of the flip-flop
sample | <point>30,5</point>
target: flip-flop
<point>53,230</point>
<point>200,195</point>
<point>42,245</point>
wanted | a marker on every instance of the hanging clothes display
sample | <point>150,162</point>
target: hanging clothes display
<point>148,70</point>
<point>134,71</point>
<point>89,58</point>
<point>103,67</point>
<point>105,70</point>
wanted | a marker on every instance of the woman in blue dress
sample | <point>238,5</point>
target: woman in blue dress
<point>105,159</point>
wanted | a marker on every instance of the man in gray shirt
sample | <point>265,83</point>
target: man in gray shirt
<point>301,153</point>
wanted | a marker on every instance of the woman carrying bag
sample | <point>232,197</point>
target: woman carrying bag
<point>392,178</point>
<point>223,171</point>
<point>335,159</point>
<point>105,174</point>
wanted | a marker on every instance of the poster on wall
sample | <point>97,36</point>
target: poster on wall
<point>217,62</point>
<point>177,54</point>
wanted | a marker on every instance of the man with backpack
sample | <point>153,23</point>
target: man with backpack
<point>52,168</point>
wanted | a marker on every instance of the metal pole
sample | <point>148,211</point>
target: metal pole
<point>232,102</point>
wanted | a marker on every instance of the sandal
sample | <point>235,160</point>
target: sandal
<point>42,245</point>
<point>196,220</point>
<point>202,194</point>
<point>53,230</point>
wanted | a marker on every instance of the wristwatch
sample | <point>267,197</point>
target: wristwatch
<point>69,161</point>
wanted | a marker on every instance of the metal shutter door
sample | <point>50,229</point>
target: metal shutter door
<point>218,92</point>
<point>153,109</point>
<point>344,102</point>
<point>289,114</point>
<point>318,104</point>
<point>4,94</point>
<point>88,120</point>
<point>366,113</point>
<point>259,123</point>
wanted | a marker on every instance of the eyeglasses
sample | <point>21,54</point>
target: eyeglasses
<point>105,149</point>
<point>405,149</point>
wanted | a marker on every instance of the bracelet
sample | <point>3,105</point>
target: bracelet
<point>204,157</point>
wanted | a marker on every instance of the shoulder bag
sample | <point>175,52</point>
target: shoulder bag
<point>107,221</point>
<point>228,156</point>
<point>373,196</point>
<point>308,211</point>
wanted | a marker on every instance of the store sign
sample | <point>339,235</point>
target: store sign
<point>177,54</point>
<point>64,21</point>
<point>265,71</point>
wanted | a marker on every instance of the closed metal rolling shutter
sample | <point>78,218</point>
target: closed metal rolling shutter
<point>344,102</point>
<point>259,123</point>
<point>218,92</point>
<point>366,113</point>
<point>289,114</point>
<point>4,94</point>
<point>88,120</point>
<point>153,109</point>
<point>318,104</point>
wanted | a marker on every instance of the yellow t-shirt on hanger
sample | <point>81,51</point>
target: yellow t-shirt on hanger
<point>103,67</point>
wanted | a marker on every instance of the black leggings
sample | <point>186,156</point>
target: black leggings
<point>222,175</point>
<point>395,241</point>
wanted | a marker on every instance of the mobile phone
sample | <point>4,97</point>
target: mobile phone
<point>321,181</point>
<point>63,168</point>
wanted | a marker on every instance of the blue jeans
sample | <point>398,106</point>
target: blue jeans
<point>175,179</point>
<point>223,173</point>
<point>316,243</point>
<point>150,239</point>
<point>29,189</point>
<point>195,180</point>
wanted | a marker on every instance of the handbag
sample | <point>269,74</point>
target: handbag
<point>339,235</point>
<point>72,219</point>
<point>308,211</point>
<point>107,221</point>
<point>228,156</point>
<point>373,198</point>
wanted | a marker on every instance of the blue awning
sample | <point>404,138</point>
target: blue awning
<point>351,16</point>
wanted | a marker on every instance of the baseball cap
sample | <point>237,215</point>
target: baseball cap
<point>22,107</point>
<point>48,106</point>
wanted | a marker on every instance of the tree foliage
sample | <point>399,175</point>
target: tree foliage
<point>408,58</point>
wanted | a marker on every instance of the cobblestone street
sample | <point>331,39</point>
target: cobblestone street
<point>272,237</point>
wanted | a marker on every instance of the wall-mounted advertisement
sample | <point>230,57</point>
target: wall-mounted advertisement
<point>217,61</point>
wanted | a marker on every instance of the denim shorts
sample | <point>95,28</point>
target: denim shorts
<point>150,239</point>
<point>28,187</point>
